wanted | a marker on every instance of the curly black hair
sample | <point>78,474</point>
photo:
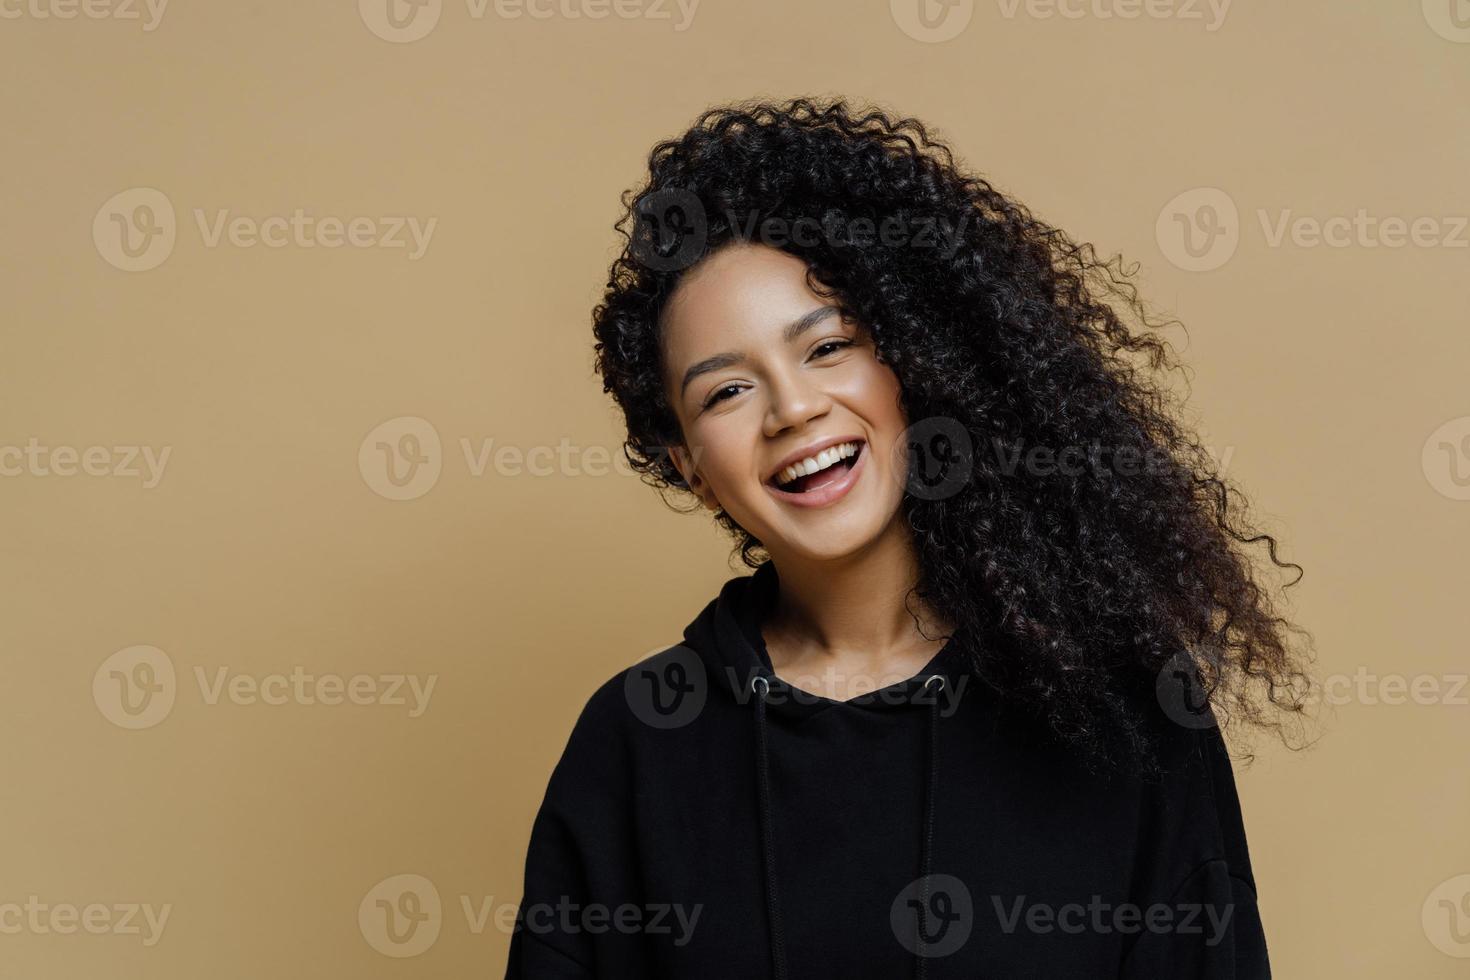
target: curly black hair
<point>1077,588</point>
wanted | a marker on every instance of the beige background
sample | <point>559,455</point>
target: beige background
<point>1334,377</point>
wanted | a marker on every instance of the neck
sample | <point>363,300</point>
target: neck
<point>851,613</point>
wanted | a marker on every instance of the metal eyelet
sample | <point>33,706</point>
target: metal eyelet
<point>936,681</point>
<point>760,687</point>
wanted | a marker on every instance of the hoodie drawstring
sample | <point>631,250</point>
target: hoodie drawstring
<point>931,791</point>
<point>761,687</point>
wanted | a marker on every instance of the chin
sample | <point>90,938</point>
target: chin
<point>834,544</point>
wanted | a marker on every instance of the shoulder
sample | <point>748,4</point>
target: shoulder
<point>1195,792</point>
<point>1197,863</point>
<point>638,702</point>
<point>663,689</point>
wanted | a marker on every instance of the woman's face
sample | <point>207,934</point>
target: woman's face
<point>761,372</point>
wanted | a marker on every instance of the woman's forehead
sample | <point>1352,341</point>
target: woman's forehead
<point>738,290</point>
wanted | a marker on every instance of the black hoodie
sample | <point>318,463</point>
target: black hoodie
<point>707,820</point>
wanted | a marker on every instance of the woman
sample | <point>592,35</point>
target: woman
<point>961,720</point>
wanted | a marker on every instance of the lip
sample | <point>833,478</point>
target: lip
<point>811,450</point>
<point>832,492</point>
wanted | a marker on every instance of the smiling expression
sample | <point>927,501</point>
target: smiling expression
<point>762,373</point>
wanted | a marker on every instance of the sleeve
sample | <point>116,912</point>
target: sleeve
<point>579,866</point>
<point>1206,924</point>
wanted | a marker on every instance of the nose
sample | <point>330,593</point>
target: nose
<point>794,402</point>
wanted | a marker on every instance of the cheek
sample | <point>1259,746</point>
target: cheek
<point>880,394</point>
<point>723,454</point>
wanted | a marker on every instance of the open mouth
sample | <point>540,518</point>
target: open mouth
<point>828,468</point>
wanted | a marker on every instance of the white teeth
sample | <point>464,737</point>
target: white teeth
<point>822,460</point>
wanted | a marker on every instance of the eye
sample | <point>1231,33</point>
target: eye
<point>720,394</point>
<point>836,345</point>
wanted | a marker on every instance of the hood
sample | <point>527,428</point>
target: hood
<point>726,635</point>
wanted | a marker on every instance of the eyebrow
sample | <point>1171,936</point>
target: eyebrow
<point>793,330</point>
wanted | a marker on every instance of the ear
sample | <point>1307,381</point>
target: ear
<point>686,464</point>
